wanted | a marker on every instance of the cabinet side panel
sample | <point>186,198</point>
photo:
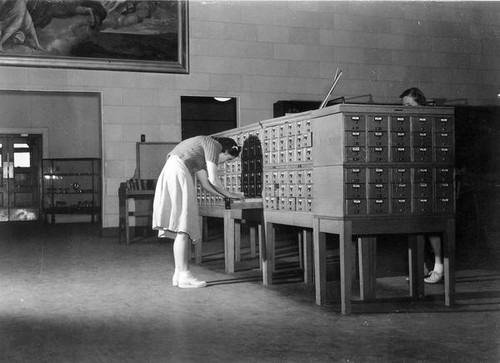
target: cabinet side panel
<point>328,192</point>
<point>328,140</point>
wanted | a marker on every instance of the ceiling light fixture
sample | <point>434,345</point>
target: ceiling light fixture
<point>222,99</point>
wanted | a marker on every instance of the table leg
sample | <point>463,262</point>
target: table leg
<point>127,222</point>
<point>449,263</point>
<point>416,245</point>
<point>204,228</point>
<point>237,240</point>
<point>367,258</point>
<point>261,244</point>
<point>300,243</point>
<point>253,251</point>
<point>198,247</point>
<point>345,240</point>
<point>229,230</point>
<point>319,250</point>
<point>267,255</point>
<point>307,255</point>
<point>122,214</point>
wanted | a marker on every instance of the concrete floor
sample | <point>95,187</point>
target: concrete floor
<point>69,295</point>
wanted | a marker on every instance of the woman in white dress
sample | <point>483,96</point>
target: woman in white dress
<point>175,206</point>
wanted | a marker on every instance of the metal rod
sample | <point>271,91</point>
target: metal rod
<point>338,73</point>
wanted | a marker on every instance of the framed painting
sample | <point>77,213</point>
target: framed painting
<point>143,36</point>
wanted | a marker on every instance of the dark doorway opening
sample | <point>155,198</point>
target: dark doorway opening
<point>207,115</point>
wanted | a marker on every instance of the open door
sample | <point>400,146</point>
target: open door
<point>20,176</point>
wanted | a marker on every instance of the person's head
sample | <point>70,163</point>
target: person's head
<point>230,149</point>
<point>413,97</point>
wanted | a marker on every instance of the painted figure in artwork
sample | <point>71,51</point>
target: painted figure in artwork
<point>19,19</point>
<point>17,25</point>
<point>44,11</point>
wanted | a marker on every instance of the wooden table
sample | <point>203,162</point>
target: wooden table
<point>303,220</point>
<point>124,195</point>
<point>367,230</point>
<point>248,209</point>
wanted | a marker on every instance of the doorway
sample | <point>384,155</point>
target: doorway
<point>20,176</point>
<point>207,115</point>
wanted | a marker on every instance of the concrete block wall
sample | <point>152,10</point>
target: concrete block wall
<point>265,51</point>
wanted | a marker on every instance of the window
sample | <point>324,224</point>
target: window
<point>22,156</point>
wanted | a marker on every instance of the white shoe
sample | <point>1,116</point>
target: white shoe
<point>188,281</point>
<point>434,277</point>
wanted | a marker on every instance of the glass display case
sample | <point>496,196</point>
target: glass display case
<point>71,186</point>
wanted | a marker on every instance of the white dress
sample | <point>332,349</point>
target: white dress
<point>175,207</point>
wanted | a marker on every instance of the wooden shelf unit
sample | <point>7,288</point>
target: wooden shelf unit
<point>71,186</point>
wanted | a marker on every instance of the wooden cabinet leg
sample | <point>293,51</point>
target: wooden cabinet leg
<point>237,240</point>
<point>345,240</point>
<point>229,245</point>
<point>449,263</point>
<point>300,245</point>
<point>319,250</point>
<point>260,237</point>
<point>367,257</point>
<point>253,242</point>
<point>204,228</point>
<point>267,255</point>
<point>416,265</point>
<point>307,256</point>
<point>127,221</point>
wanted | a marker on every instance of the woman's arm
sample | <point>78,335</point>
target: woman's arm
<point>215,188</point>
<point>213,174</point>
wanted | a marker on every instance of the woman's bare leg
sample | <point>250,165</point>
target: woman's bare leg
<point>438,258</point>
<point>182,276</point>
<point>436,274</point>
<point>181,252</point>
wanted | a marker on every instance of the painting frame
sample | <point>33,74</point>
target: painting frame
<point>178,65</point>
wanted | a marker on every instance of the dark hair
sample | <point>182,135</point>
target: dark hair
<point>416,94</point>
<point>229,145</point>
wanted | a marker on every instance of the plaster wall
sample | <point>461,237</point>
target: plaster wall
<point>265,51</point>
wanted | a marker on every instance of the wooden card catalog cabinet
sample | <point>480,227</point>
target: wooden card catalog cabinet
<point>352,170</point>
<point>347,160</point>
<point>287,151</point>
<point>383,160</point>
